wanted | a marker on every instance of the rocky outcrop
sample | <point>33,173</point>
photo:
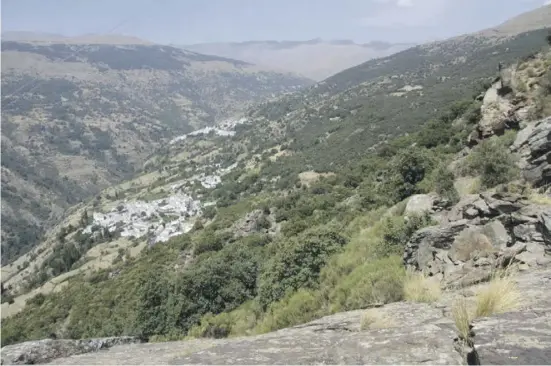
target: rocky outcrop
<point>45,350</point>
<point>521,337</point>
<point>498,111</point>
<point>477,235</point>
<point>533,144</point>
<point>414,334</point>
<point>254,222</point>
<point>411,334</point>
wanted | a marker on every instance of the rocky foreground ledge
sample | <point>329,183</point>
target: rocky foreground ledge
<point>414,333</point>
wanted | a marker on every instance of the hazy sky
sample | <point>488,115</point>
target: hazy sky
<point>194,21</point>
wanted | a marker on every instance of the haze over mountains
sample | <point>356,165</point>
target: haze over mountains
<point>161,192</point>
<point>316,59</point>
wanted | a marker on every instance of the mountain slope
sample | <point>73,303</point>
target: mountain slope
<point>51,38</point>
<point>339,118</point>
<point>300,208</point>
<point>316,59</point>
<point>531,20</point>
<point>207,244</point>
<point>77,118</point>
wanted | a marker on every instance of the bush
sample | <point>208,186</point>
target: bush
<point>407,169</point>
<point>36,300</point>
<point>376,319</point>
<point>375,282</point>
<point>296,308</point>
<point>298,262</point>
<point>443,183</point>
<point>493,161</point>
<point>208,241</point>
<point>501,294</point>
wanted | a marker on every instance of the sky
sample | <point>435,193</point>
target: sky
<point>198,21</point>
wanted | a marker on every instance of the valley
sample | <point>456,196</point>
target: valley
<point>268,212</point>
<point>78,118</point>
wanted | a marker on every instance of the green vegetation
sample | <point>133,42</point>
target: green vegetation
<point>329,257</point>
<point>58,121</point>
<point>493,161</point>
<point>321,242</point>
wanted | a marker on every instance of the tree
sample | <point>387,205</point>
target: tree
<point>151,315</point>
<point>298,262</point>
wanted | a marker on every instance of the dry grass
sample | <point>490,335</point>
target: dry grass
<point>420,288</point>
<point>376,319</point>
<point>461,317</point>
<point>539,199</point>
<point>500,295</point>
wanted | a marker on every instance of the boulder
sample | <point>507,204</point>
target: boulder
<point>419,204</point>
<point>498,113</point>
<point>411,334</point>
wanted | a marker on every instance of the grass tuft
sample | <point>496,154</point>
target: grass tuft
<point>376,319</point>
<point>500,295</point>
<point>462,318</point>
<point>420,288</point>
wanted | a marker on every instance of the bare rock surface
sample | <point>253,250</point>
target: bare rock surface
<point>42,351</point>
<point>533,144</point>
<point>521,337</point>
<point>416,333</point>
<point>479,234</point>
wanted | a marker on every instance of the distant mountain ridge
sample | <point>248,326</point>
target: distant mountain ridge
<point>40,37</point>
<point>316,58</point>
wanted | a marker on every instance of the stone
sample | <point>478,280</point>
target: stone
<point>534,149</point>
<point>519,337</point>
<point>498,113</point>
<point>468,242</point>
<point>419,204</point>
<point>545,227</point>
<point>414,334</point>
<point>503,203</point>
<point>425,243</point>
<point>490,230</point>
<point>45,350</point>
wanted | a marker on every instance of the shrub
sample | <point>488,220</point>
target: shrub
<point>461,318</point>
<point>209,212</point>
<point>406,170</point>
<point>298,262</point>
<point>208,241</point>
<point>296,308</point>
<point>443,182</point>
<point>263,223</point>
<point>493,161</point>
<point>212,326</point>
<point>375,282</point>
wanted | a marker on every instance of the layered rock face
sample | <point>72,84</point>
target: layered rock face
<point>533,145</point>
<point>479,234</point>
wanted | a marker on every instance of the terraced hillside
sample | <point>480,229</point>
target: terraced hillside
<point>219,236</point>
<point>304,209</point>
<point>77,118</point>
